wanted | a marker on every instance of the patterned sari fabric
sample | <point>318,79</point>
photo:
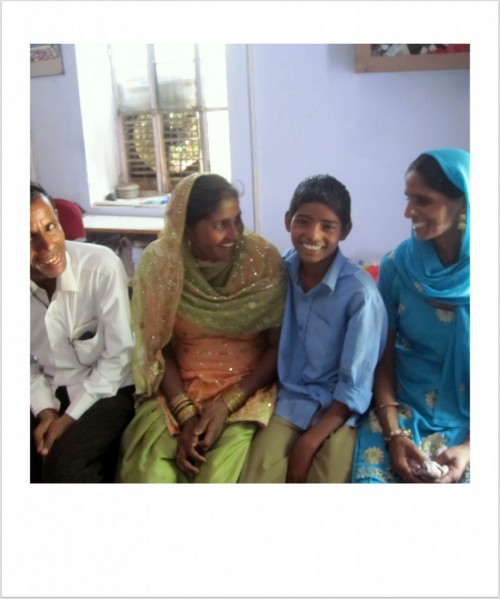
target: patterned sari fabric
<point>215,314</point>
<point>432,343</point>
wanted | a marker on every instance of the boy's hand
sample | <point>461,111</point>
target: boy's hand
<point>300,460</point>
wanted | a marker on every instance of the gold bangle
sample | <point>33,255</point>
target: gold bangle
<point>182,407</point>
<point>234,398</point>
<point>178,400</point>
<point>399,432</point>
<point>185,414</point>
<point>179,407</point>
<point>386,405</point>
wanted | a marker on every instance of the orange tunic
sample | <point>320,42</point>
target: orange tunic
<point>211,364</point>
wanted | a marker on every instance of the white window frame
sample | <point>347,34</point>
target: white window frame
<point>164,181</point>
<point>95,170</point>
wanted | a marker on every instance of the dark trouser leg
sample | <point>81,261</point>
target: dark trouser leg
<point>35,459</point>
<point>88,449</point>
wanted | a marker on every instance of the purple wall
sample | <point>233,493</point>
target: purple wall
<point>314,114</point>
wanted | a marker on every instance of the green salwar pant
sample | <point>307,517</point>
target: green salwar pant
<point>148,451</point>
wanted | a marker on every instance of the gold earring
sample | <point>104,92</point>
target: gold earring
<point>462,222</point>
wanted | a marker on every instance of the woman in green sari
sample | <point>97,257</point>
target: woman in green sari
<point>206,310</point>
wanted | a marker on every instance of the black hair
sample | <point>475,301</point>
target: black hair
<point>326,190</point>
<point>36,191</point>
<point>206,193</point>
<point>431,172</point>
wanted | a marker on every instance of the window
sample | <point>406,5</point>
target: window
<point>172,112</point>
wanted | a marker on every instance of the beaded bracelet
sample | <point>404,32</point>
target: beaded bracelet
<point>399,432</point>
<point>234,398</point>
<point>385,405</point>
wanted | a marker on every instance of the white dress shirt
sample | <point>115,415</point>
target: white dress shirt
<point>90,300</point>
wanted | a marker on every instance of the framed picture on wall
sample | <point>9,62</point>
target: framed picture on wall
<point>45,59</point>
<point>371,58</point>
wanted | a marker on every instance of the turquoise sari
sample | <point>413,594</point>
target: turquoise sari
<point>432,344</point>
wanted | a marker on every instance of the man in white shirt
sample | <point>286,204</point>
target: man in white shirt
<point>81,343</point>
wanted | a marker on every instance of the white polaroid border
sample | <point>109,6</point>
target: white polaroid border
<point>262,541</point>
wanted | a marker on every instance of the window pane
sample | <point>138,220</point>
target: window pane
<point>218,134</point>
<point>174,53</point>
<point>174,92</point>
<point>213,68</point>
<point>131,72</point>
<point>175,73</point>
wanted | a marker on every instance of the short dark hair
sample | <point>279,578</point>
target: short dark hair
<point>206,193</point>
<point>326,190</point>
<point>36,191</point>
<point>431,172</point>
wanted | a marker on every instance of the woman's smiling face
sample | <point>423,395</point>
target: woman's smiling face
<point>214,238</point>
<point>432,213</point>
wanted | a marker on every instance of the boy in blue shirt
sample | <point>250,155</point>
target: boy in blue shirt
<point>333,335</point>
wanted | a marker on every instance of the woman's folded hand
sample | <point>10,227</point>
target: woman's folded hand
<point>211,425</point>
<point>188,455</point>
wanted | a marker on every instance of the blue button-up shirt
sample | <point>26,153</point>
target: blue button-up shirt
<point>331,340</point>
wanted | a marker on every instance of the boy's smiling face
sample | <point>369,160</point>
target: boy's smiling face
<point>316,231</point>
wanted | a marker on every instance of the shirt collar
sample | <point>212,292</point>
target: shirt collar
<point>292,262</point>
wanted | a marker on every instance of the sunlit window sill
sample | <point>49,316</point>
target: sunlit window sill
<point>119,223</point>
<point>146,202</point>
<point>142,206</point>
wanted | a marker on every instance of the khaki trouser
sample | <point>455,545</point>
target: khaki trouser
<point>267,461</point>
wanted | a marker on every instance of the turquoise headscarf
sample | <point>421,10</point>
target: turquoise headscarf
<point>420,267</point>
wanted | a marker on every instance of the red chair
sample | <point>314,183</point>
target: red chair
<point>71,218</point>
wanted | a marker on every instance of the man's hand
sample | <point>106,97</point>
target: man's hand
<point>45,419</point>
<point>51,427</point>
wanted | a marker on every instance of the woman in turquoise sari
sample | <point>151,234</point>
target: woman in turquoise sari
<point>418,429</point>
